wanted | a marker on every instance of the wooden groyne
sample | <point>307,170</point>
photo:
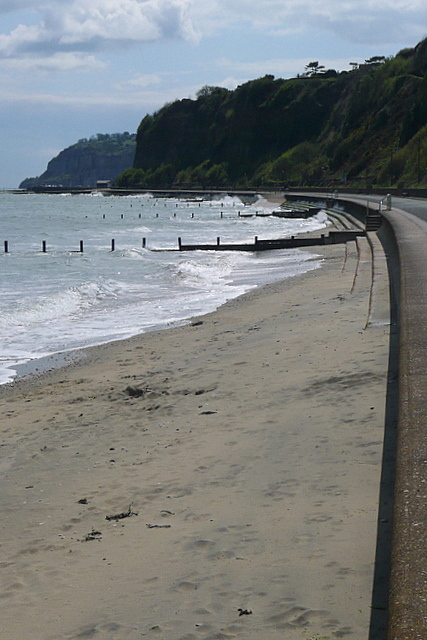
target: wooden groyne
<point>333,237</point>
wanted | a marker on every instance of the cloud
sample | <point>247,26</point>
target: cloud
<point>148,98</point>
<point>91,26</point>
<point>81,28</point>
<point>355,21</point>
<point>12,6</point>
<point>139,82</point>
<point>79,101</point>
<point>57,62</point>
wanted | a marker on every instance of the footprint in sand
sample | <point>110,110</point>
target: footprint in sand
<point>187,586</point>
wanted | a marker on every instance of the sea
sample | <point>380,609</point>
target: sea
<point>56,299</point>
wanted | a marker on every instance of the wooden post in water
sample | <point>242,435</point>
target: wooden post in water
<point>218,241</point>
<point>6,246</point>
<point>113,244</point>
<point>144,242</point>
<point>44,246</point>
<point>179,244</point>
<point>81,246</point>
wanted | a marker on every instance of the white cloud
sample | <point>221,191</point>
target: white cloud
<point>357,20</point>
<point>126,20</point>
<point>275,11</point>
<point>79,102</point>
<point>96,25</point>
<point>56,62</point>
<point>148,98</point>
<point>139,82</point>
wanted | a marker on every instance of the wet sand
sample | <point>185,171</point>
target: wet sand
<point>218,480</point>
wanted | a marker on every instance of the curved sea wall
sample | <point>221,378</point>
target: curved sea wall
<point>404,240</point>
<point>408,578</point>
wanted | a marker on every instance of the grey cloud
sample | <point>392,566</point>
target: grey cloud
<point>376,27</point>
<point>96,25</point>
<point>361,21</point>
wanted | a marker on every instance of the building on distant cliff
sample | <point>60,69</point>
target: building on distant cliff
<point>103,184</point>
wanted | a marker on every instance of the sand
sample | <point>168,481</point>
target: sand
<point>217,480</point>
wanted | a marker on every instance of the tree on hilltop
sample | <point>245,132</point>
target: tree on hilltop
<point>314,67</point>
<point>375,60</point>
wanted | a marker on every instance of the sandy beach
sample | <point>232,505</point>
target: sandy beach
<point>212,481</point>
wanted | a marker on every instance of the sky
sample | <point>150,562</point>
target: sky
<point>70,69</point>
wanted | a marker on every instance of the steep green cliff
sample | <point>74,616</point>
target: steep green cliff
<point>366,126</point>
<point>102,157</point>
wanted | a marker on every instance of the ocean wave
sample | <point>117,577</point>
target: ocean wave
<point>228,200</point>
<point>64,299</point>
<point>54,307</point>
<point>207,268</point>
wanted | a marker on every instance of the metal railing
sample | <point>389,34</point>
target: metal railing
<point>387,201</point>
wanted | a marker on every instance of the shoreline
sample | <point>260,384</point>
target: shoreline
<point>243,452</point>
<point>27,334</point>
<point>39,368</point>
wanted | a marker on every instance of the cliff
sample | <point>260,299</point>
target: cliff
<point>366,126</point>
<point>102,157</point>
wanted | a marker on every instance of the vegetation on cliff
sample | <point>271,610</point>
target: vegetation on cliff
<point>363,127</point>
<point>102,157</point>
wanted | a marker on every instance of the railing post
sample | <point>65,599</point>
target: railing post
<point>6,246</point>
<point>387,200</point>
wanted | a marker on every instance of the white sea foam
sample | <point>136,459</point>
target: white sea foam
<point>63,300</point>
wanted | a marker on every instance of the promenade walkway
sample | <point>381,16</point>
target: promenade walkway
<point>404,238</point>
<point>408,580</point>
